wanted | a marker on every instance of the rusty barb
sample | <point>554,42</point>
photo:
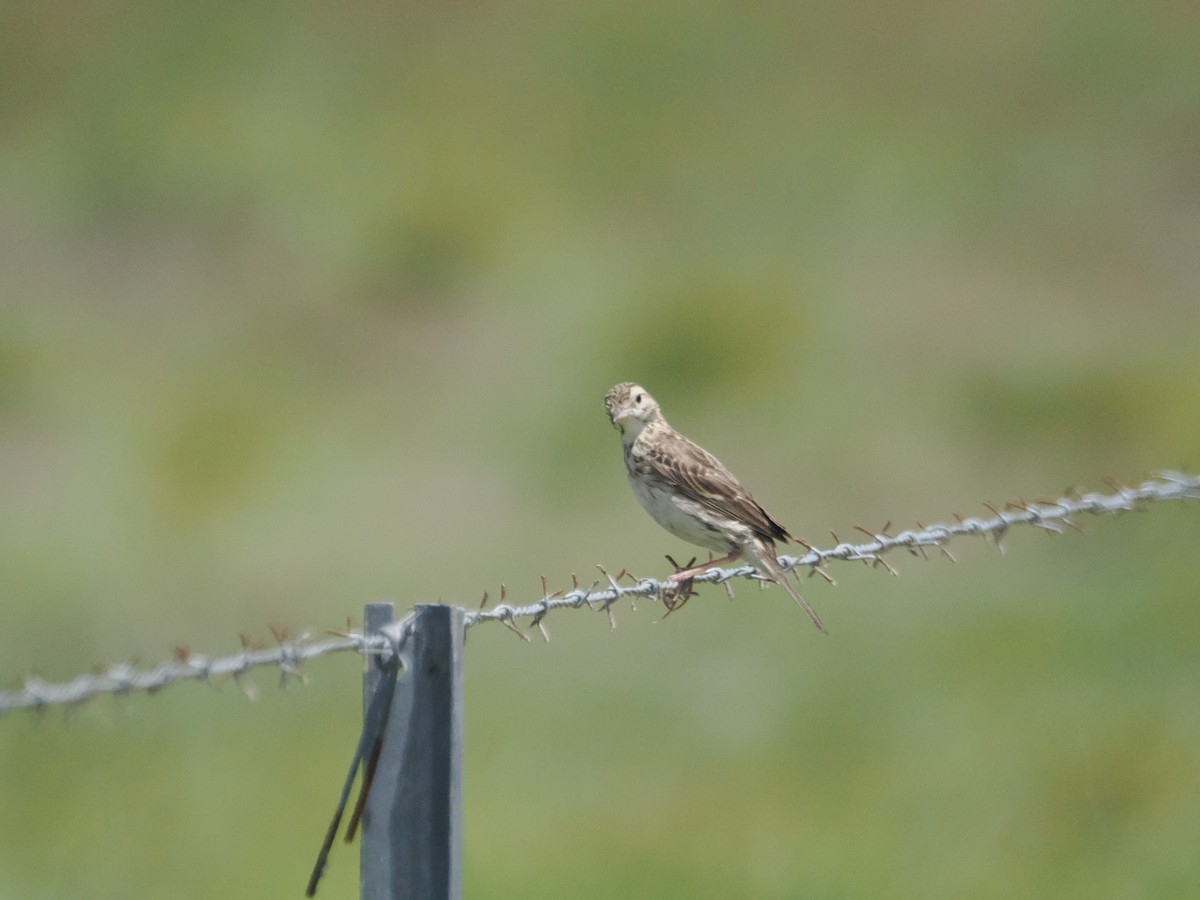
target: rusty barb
<point>1052,515</point>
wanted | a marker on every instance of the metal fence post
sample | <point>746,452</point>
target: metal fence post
<point>412,825</point>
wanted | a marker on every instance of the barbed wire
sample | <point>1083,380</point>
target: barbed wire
<point>124,678</point>
<point>1049,515</point>
<point>601,595</point>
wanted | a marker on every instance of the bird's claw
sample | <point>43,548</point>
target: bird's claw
<point>674,598</point>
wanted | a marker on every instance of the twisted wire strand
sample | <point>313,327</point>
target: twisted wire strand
<point>1049,515</point>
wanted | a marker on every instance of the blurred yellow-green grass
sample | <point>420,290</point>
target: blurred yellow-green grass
<point>306,308</point>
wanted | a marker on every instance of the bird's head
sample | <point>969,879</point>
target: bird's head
<point>631,407</point>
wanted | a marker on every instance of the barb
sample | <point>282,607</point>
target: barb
<point>1048,515</point>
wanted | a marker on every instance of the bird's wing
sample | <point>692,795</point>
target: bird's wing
<point>699,475</point>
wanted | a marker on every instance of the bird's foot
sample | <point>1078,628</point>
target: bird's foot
<point>677,595</point>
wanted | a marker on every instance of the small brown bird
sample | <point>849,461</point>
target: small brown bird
<point>690,493</point>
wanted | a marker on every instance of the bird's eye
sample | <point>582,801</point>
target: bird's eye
<point>638,398</point>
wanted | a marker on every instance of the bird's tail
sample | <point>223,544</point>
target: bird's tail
<point>766,560</point>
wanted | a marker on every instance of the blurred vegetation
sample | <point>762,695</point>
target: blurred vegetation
<point>303,308</point>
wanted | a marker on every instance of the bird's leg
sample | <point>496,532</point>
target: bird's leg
<point>686,574</point>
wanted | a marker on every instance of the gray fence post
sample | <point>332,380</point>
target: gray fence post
<point>412,824</point>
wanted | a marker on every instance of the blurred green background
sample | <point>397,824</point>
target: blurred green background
<point>303,307</point>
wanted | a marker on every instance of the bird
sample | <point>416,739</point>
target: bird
<point>691,493</point>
